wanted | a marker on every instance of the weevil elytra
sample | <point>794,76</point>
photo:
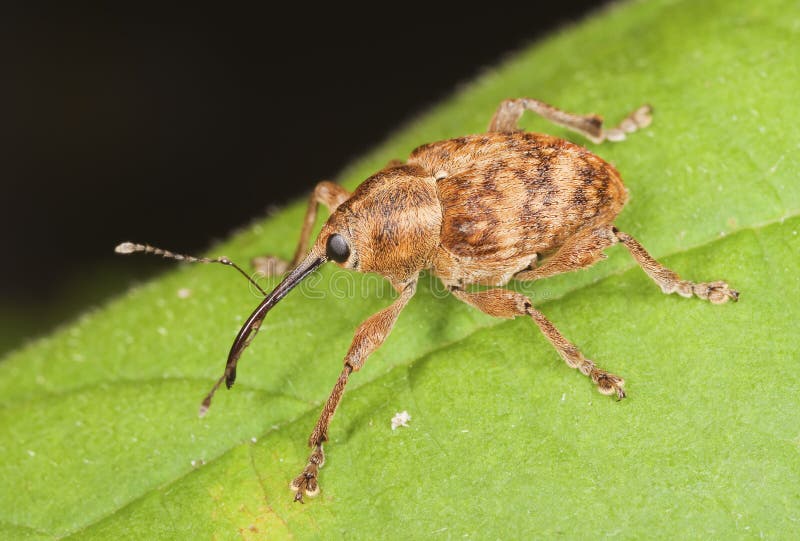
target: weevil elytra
<point>477,210</point>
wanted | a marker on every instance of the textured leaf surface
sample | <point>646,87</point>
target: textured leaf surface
<point>100,437</point>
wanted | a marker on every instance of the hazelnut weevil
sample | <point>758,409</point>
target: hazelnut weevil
<point>477,210</point>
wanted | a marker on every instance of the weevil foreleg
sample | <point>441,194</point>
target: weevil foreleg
<point>325,193</point>
<point>509,112</point>
<point>509,304</point>
<point>369,336</point>
<point>717,292</point>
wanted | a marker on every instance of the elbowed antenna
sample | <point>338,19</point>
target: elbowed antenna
<point>126,248</point>
<point>251,326</point>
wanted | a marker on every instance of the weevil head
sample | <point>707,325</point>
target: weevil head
<point>390,225</point>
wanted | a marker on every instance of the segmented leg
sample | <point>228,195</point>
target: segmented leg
<point>585,248</point>
<point>325,193</point>
<point>580,251</point>
<point>507,116</point>
<point>504,303</point>
<point>717,292</point>
<point>369,336</point>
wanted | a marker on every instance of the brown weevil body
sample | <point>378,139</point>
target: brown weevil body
<point>481,209</point>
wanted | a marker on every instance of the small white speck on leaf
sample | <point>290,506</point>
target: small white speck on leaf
<point>31,453</point>
<point>253,439</point>
<point>563,397</point>
<point>162,331</point>
<point>184,293</point>
<point>776,164</point>
<point>400,419</point>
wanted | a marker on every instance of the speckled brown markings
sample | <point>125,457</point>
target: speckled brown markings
<point>480,209</point>
<point>507,201</point>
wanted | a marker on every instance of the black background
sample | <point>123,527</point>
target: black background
<point>174,126</point>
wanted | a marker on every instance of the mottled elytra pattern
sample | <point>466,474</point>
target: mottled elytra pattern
<point>510,195</point>
<point>480,209</point>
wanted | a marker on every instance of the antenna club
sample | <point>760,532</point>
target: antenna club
<point>125,248</point>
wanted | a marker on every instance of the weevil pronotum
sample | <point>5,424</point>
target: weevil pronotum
<point>477,210</point>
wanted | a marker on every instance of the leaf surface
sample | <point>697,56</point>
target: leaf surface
<point>99,430</point>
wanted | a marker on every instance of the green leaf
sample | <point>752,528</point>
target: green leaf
<point>100,435</point>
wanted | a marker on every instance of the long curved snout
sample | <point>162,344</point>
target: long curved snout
<point>312,261</point>
<point>251,326</point>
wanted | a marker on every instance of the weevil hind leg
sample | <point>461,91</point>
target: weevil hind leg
<point>508,113</point>
<point>325,193</point>
<point>581,250</point>
<point>586,248</point>
<point>508,304</point>
<point>716,292</point>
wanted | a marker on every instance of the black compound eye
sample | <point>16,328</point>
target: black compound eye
<point>337,248</point>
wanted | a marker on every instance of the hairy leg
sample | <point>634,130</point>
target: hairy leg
<point>590,126</point>
<point>582,250</point>
<point>509,304</point>
<point>369,336</point>
<point>587,247</point>
<point>717,292</point>
<point>325,193</point>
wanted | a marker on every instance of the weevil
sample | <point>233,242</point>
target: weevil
<point>479,210</point>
